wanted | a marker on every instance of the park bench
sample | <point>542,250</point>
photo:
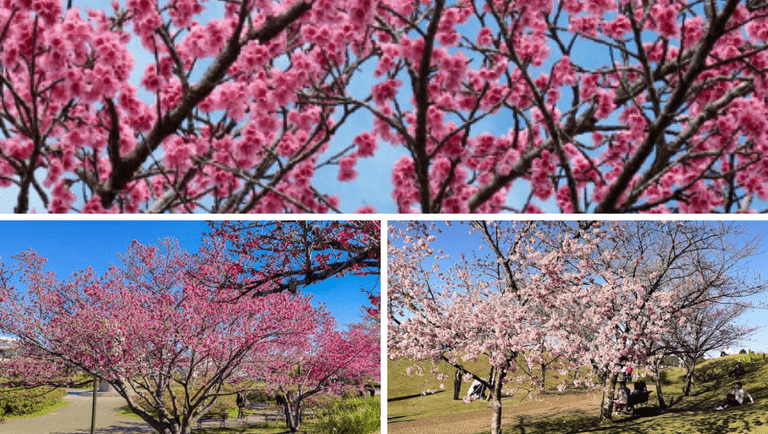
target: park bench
<point>220,416</point>
<point>634,401</point>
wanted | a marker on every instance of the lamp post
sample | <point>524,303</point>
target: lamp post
<point>93,408</point>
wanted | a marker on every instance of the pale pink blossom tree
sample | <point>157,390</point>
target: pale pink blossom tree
<point>168,329</point>
<point>710,327</point>
<point>705,262</point>
<point>535,288</point>
<point>599,106</point>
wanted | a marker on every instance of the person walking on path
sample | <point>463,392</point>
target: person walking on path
<point>241,401</point>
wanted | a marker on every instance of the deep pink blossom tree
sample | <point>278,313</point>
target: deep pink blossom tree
<point>328,361</point>
<point>168,329</point>
<point>598,106</point>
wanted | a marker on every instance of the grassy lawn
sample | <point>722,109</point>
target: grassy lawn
<point>235,427</point>
<point>577,411</point>
<point>42,412</point>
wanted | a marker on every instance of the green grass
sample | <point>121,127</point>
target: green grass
<point>350,416</point>
<point>405,390</point>
<point>272,427</point>
<point>686,415</point>
<point>41,412</point>
<point>402,389</point>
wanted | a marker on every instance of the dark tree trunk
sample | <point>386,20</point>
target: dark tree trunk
<point>691,369</point>
<point>291,411</point>
<point>457,384</point>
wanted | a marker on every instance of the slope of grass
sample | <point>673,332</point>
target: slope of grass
<point>407,397</point>
<point>686,415</point>
<point>577,411</point>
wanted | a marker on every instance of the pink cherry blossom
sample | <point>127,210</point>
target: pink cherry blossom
<point>142,89</point>
<point>225,315</point>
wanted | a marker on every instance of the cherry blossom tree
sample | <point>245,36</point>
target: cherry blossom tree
<point>704,262</point>
<point>710,327</point>
<point>670,120</point>
<point>168,329</point>
<point>536,288</point>
<point>247,105</point>
<point>329,361</point>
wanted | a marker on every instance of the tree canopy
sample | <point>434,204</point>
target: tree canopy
<point>491,106</point>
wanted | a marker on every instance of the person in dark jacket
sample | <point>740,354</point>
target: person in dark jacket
<point>241,401</point>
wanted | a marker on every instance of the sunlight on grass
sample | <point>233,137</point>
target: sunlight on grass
<point>577,412</point>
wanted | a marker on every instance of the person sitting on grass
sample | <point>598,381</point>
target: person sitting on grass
<point>736,397</point>
<point>737,371</point>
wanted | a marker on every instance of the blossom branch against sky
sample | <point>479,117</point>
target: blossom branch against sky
<point>73,245</point>
<point>262,106</point>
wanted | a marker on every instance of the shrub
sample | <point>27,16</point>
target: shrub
<point>258,396</point>
<point>743,351</point>
<point>664,378</point>
<point>351,416</point>
<point>27,401</point>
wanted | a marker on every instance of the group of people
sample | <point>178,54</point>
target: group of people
<point>624,396</point>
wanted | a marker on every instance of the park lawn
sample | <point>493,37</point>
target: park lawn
<point>577,411</point>
<point>41,412</point>
<point>403,390</point>
<point>258,428</point>
<point>406,400</point>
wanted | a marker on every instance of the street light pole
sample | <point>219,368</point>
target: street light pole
<point>93,408</point>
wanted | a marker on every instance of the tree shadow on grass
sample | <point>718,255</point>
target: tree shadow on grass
<point>417,395</point>
<point>587,423</point>
<point>118,428</point>
<point>134,428</point>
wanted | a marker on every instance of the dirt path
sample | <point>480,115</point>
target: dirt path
<point>75,418</point>
<point>472,422</point>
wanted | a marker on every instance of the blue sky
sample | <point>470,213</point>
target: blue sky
<point>74,245</point>
<point>455,239</point>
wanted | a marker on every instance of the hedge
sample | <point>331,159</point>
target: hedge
<point>19,402</point>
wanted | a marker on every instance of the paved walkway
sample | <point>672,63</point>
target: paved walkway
<point>75,418</point>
